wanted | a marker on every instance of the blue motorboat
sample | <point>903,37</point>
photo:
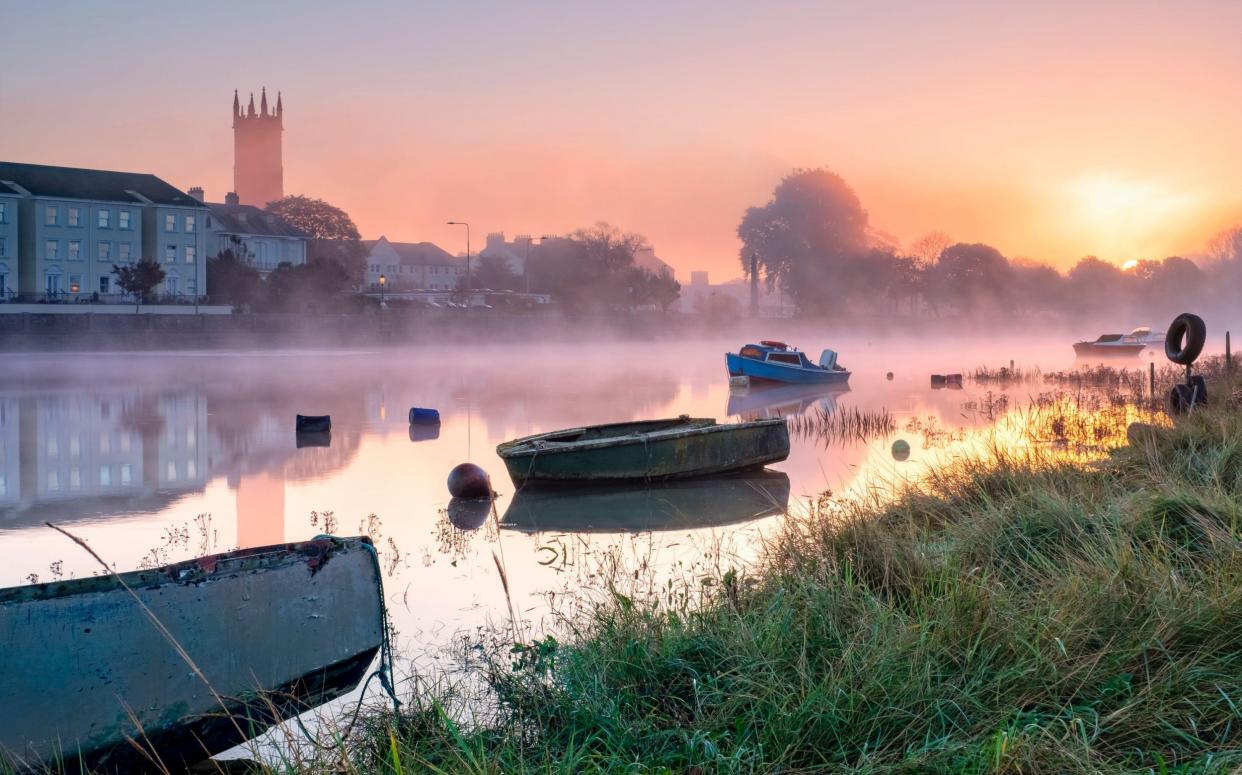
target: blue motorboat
<point>771,361</point>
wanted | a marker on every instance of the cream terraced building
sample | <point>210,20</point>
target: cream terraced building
<point>71,226</point>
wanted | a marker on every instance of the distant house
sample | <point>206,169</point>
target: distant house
<point>64,228</point>
<point>412,266</point>
<point>263,239</point>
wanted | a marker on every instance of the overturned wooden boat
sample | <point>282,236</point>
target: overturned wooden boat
<point>644,451</point>
<point>89,683</point>
<point>682,504</point>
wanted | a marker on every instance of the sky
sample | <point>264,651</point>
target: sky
<point>1050,130</point>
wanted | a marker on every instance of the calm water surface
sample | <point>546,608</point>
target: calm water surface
<point>155,458</point>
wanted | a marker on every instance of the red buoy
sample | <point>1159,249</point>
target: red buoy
<point>469,481</point>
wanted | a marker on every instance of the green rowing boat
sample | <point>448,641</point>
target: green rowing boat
<point>644,451</point>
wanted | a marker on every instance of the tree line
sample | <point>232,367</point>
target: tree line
<point>814,242</point>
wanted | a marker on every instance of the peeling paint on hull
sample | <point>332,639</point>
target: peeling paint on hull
<point>276,630</point>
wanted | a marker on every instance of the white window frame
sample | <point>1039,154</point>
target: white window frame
<point>51,250</point>
<point>104,218</point>
<point>123,219</point>
<point>170,254</point>
<point>74,255</point>
<point>170,223</point>
<point>74,217</point>
<point>190,223</point>
<point>51,215</point>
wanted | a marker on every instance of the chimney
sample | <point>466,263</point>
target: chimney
<point>231,198</point>
<point>197,193</point>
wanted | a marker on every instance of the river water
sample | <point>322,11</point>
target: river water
<point>157,457</point>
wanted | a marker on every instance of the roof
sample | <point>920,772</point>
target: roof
<point>102,185</point>
<point>420,253</point>
<point>251,220</point>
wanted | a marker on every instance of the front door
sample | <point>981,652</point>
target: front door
<point>53,284</point>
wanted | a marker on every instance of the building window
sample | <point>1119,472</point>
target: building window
<point>122,219</point>
<point>4,212</point>
<point>191,286</point>
<point>170,223</point>
<point>105,251</point>
<point>75,249</point>
<point>189,224</point>
<point>105,476</point>
<point>190,254</point>
<point>4,247</point>
<point>53,284</point>
<point>126,473</point>
<point>51,215</point>
<point>172,284</point>
<point>122,251</point>
<point>103,284</point>
<point>51,251</point>
<point>75,283</point>
<point>75,216</point>
<point>170,254</point>
<point>105,219</point>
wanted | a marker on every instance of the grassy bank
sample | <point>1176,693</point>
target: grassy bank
<point>1007,615</point>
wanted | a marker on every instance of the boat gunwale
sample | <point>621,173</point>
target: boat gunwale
<point>192,571</point>
<point>522,447</point>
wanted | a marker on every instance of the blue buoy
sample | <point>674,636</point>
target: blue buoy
<point>424,416</point>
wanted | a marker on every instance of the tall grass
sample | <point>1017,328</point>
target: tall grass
<point>1007,614</point>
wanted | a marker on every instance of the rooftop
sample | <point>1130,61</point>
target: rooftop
<point>102,185</point>
<point>248,219</point>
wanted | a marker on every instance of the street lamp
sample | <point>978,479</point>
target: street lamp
<point>469,289</point>
<point>383,281</point>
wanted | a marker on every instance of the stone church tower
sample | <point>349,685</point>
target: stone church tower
<point>258,172</point>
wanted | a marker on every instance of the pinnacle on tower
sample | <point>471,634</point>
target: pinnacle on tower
<point>236,105</point>
<point>250,110</point>
<point>280,109</point>
<point>263,103</point>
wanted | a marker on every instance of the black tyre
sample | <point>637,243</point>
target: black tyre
<point>1193,331</point>
<point>1179,400</point>
<point>1198,387</point>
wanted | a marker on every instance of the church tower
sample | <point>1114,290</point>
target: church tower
<point>258,172</point>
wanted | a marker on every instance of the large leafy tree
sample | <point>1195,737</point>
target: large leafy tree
<point>972,276</point>
<point>805,238</point>
<point>139,279</point>
<point>334,236</point>
<point>593,268</point>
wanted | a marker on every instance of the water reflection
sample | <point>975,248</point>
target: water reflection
<point>677,505</point>
<point>72,456</point>
<point>762,402</point>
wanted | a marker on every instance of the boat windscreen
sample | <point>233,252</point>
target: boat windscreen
<point>1109,338</point>
<point>751,352</point>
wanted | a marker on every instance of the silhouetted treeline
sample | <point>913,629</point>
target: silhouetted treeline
<point>814,242</point>
<point>595,269</point>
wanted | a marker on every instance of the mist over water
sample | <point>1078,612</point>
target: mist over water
<point>158,457</point>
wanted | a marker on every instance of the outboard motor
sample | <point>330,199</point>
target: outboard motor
<point>828,360</point>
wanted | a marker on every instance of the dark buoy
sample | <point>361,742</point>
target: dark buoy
<point>313,423</point>
<point>469,481</point>
<point>889,376</point>
<point>901,450</point>
<point>469,513</point>
<point>424,432</point>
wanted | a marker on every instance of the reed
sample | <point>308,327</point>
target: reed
<point>842,425</point>
<point>1011,612</point>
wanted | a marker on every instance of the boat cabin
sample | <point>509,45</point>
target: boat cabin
<point>775,352</point>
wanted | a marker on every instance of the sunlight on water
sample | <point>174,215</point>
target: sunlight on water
<point>157,458</point>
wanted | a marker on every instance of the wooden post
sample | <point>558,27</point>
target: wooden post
<point>1228,356</point>
<point>1152,378</point>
